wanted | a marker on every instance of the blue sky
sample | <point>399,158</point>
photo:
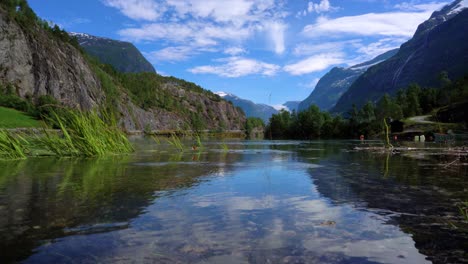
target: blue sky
<point>268,51</point>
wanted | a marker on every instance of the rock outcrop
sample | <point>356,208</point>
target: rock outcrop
<point>37,64</point>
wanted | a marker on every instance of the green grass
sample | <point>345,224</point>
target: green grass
<point>175,142</point>
<point>12,146</point>
<point>85,134</point>
<point>224,147</point>
<point>10,118</point>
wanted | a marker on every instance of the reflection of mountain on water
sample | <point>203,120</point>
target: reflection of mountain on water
<point>420,197</point>
<point>42,199</point>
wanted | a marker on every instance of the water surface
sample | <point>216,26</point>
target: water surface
<point>258,202</point>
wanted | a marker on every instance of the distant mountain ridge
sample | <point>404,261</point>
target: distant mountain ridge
<point>250,108</point>
<point>123,56</point>
<point>336,82</point>
<point>292,105</point>
<point>439,44</point>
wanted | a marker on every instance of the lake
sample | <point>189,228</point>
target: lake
<point>254,202</point>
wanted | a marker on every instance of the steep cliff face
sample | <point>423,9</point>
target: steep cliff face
<point>215,114</point>
<point>37,65</point>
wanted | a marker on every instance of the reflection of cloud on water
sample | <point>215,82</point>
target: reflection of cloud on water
<point>237,203</point>
<point>254,214</point>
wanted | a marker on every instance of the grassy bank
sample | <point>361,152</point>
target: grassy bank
<point>10,118</point>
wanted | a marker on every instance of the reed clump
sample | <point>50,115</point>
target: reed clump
<point>176,142</point>
<point>85,134</point>
<point>12,146</point>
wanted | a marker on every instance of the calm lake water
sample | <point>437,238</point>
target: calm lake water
<point>258,202</point>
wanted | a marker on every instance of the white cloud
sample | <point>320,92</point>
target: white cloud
<point>280,107</point>
<point>315,63</point>
<point>233,51</point>
<point>384,24</point>
<point>307,49</point>
<point>194,33</point>
<point>381,46</point>
<point>172,54</point>
<point>276,35</point>
<point>322,6</point>
<point>138,9</point>
<point>236,67</point>
<point>428,7</point>
<point>204,23</point>
<point>220,11</point>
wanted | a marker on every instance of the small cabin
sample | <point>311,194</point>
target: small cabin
<point>396,126</point>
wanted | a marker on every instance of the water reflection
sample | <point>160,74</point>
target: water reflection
<point>258,202</point>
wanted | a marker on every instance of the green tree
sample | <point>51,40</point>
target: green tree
<point>387,107</point>
<point>413,107</point>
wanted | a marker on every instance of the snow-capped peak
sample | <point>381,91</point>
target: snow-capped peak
<point>459,7</point>
<point>76,34</point>
<point>222,94</point>
<point>364,67</point>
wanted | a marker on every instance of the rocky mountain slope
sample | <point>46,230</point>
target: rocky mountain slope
<point>123,56</point>
<point>439,44</point>
<point>337,81</point>
<point>36,62</point>
<point>250,108</point>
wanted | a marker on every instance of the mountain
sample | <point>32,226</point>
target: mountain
<point>124,56</point>
<point>292,105</point>
<point>439,44</point>
<point>37,60</point>
<point>250,108</point>
<point>337,81</point>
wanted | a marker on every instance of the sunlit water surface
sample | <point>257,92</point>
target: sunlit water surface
<point>257,202</point>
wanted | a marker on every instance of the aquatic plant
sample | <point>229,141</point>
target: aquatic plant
<point>156,139</point>
<point>224,147</point>
<point>85,134</point>
<point>387,134</point>
<point>464,210</point>
<point>198,141</point>
<point>12,146</point>
<point>175,141</point>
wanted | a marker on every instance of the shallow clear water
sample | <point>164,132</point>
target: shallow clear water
<point>258,202</point>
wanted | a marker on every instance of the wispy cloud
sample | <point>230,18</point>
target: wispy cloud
<point>415,6</point>
<point>171,54</point>
<point>233,51</point>
<point>372,24</point>
<point>276,35</point>
<point>236,67</point>
<point>315,63</point>
<point>312,48</point>
<point>204,34</point>
<point>138,9</point>
<point>204,23</point>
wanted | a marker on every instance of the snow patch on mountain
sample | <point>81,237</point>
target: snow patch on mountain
<point>222,94</point>
<point>364,67</point>
<point>459,7</point>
